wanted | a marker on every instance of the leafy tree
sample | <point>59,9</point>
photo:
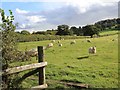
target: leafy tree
<point>39,32</point>
<point>80,31</point>
<point>75,30</point>
<point>90,30</point>
<point>51,32</point>
<point>8,42</point>
<point>24,32</point>
<point>8,48</point>
<point>99,26</point>
<point>108,23</point>
<point>63,30</point>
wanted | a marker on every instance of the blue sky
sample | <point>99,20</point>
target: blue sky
<point>31,6</point>
<point>44,15</point>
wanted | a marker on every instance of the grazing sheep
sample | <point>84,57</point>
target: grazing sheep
<point>32,53</point>
<point>53,41</point>
<point>61,38</point>
<point>60,45</point>
<point>49,45</point>
<point>92,50</point>
<point>88,40</point>
<point>73,42</point>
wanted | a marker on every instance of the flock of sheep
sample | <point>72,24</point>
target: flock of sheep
<point>33,52</point>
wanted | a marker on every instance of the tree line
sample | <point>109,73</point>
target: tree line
<point>88,30</point>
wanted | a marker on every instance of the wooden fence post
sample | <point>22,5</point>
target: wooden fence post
<point>42,69</point>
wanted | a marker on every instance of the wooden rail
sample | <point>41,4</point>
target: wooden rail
<point>23,68</point>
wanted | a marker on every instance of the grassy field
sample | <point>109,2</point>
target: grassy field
<point>72,63</point>
<point>108,32</point>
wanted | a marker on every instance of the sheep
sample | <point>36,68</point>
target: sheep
<point>73,42</point>
<point>49,45</point>
<point>32,53</point>
<point>92,50</point>
<point>88,40</point>
<point>61,38</point>
<point>53,41</point>
<point>60,45</point>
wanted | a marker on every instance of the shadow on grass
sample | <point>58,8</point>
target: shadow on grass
<point>83,57</point>
<point>87,56</point>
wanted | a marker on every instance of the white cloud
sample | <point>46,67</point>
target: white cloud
<point>35,19</point>
<point>84,5</point>
<point>22,25</point>
<point>19,11</point>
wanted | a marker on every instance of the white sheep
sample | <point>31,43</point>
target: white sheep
<point>53,41</point>
<point>92,50</point>
<point>49,45</point>
<point>73,42</point>
<point>60,45</point>
<point>32,52</point>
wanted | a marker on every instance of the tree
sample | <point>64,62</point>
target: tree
<point>74,30</point>
<point>77,31</point>
<point>63,30</point>
<point>8,42</point>
<point>8,48</point>
<point>90,30</point>
<point>24,32</point>
<point>80,31</point>
<point>108,23</point>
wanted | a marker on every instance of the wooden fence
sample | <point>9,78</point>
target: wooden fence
<point>40,67</point>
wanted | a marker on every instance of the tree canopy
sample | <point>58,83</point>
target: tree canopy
<point>90,30</point>
<point>63,30</point>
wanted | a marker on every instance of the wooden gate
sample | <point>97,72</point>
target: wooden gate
<point>39,67</point>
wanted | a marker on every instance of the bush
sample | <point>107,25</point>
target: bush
<point>35,37</point>
<point>8,48</point>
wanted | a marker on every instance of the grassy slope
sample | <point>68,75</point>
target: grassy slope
<point>65,63</point>
<point>108,32</point>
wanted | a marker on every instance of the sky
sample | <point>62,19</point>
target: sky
<point>40,15</point>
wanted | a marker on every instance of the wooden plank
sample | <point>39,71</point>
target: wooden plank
<point>77,85</point>
<point>25,67</point>
<point>41,70</point>
<point>39,87</point>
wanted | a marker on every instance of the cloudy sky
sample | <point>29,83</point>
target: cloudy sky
<point>48,14</point>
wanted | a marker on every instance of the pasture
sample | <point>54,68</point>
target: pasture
<point>72,63</point>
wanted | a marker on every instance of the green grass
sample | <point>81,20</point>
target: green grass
<point>73,63</point>
<point>108,32</point>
